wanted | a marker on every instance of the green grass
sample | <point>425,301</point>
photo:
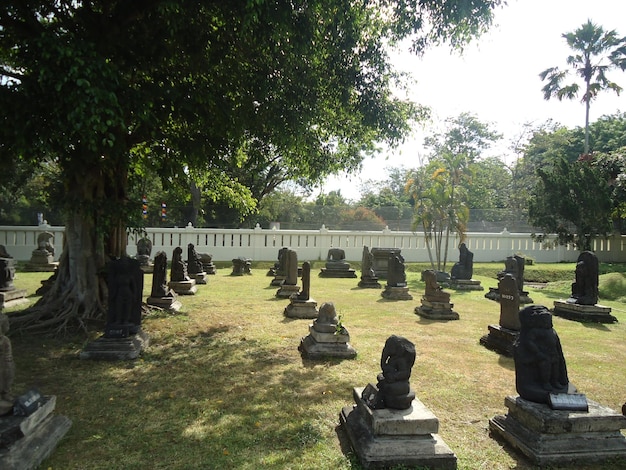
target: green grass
<point>222,384</point>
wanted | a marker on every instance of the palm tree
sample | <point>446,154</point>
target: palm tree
<point>596,51</point>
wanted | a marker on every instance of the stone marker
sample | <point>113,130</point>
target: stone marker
<point>279,271</point>
<point>42,257</point>
<point>301,305</point>
<point>396,288</point>
<point>290,283</point>
<point>513,265</point>
<point>195,268</point>
<point>161,295</point>
<point>381,260</point>
<point>207,263</point>
<point>336,265</point>
<point>549,422</point>
<point>463,270</point>
<point>369,280</point>
<point>327,336</point>
<point>9,294</point>
<point>241,266</point>
<point>180,282</point>
<point>144,250</point>
<point>435,301</point>
<point>501,337</point>
<point>389,426</point>
<point>583,303</point>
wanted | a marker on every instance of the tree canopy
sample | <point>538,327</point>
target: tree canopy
<point>209,90</point>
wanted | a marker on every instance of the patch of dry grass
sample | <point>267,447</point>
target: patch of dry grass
<point>223,385</point>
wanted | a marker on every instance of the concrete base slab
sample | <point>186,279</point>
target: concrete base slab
<point>337,273</point>
<point>312,349</point>
<point>369,283</point>
<point>303,309</point>
<point>396,293</point>
<point>436,310</point>
<point>560,437</point>
<point>166,303</point>
<point>12,297</point>
<point>584,313</point>
<point>116,349</point>
<point>287,290</point>
<point>465,284</point>
<point>183,287</point>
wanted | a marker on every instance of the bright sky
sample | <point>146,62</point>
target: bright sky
<point>497,79</point>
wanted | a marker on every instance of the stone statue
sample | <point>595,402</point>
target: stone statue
<point>585,288</point>
<point>514,265</point>
<point>464,268</point>
<point>125,285</point>
<point>159,276</point>
<point>433,291</point>
<point>44,244</point>
<point>396,276</point>
<point>336,254</point>
<point>539,363</point>
<point>394,390</point>
<point>7,273</point>
<point>7,367</point>
<point>179,267</point>
<point>305,293</point>
<point>144,249</point>
<point>291,267</point>
<point>367,263</point>
<point>194,263</point>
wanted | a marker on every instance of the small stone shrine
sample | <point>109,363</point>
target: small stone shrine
<point>463,270</point>
<point>583,303</point>
<point>327,336</point>
<point>501,337</point>
<point>279,271</point>
<point>290,284</point>
<point>144,250</point>
<point>123,337</point>
<point>389,426</point>
<point>336,265</point>
<point>548,421</point>
<point>180,282</point>
<point>9,294</point>
<point>396,288</point>
<point>435,301</point>
<point>29,432</point>
<point>161,295</point>
<point>195,268</point>
<point>301,305</point>
<point>241,266</point>
<point>381,260</point>
<point>369,280</point>
<point>207,263</point>
<point>42,257</point>
<point>513,265</point>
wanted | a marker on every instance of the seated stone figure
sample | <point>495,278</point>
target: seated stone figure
<point>585,288</point>
<point>433,291</point>
<point>144,249</point>
<point>179,267</point>
<point>396,275</point>
<point>464,268</point>
<point>539,363</point>
<point>44,244</point>
<point>336,259</point>
<point>394,390</point>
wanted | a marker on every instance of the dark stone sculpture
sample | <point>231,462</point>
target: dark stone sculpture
<point>241,266</point>
<point>393,388</point>
<point>44,244</point>
<point>7,274</point>
<point>125,285</point>
<point>539,363</point>
<point>291,267</point>
<point>179,267</point>
<point>144,249</point>
<point>433,291</point>
<point>7,367</point>
<point>585,288</point>
<point>194,263</point>
<point>514,265</point>
<point>305,293</point>
<point>159,277</point>
<point>396,276</point>
<point>464,268</point>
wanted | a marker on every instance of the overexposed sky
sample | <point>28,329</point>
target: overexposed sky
<point>497,78</point>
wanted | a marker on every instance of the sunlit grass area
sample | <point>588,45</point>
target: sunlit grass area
<point>222,384</point>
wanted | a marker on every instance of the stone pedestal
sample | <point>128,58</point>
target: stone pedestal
<point>387,437</point>
<point>500,339</point>
<point>339,271</point>
<point>41,261</point>
<point>200,278</point>
<point>277,281</point>
<point>25,441</point>
<point>436,310</point>
<point>183,287</point>
<point>396,293</point>
<point>12,297</point>
<point>320,345</point>
<point>586,313</point>
<point>301,308</point>
<point>465,284</point>
<point>558,437</point>
<point>170,303</point>
<point>368,282</point>
<point>116,349</point>
<point>381,260</point>
<point>287,290</point>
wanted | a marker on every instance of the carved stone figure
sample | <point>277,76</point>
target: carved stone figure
<point>464,268</point>
<point>305,292</point>
<point>291,267</point>
<point>241,266</point>
<point>7,367</point>
<point>433,291</point>
<point>394,390</point>
<point>144,249</point>
<point>125,285</point>
<point>179,267</point>
<point>539,363</point>
<point>159,276</point>
<point>396,276</point>
<point>7,273</point>
<point>367,263</point>
<point>514,265</point>
<point>585,288</point>
<point>44,244</point>
<point>194,263</point>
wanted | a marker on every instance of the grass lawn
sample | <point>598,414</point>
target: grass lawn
<point>223,386</point>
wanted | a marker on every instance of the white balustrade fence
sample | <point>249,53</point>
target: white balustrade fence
<point>263,244</point>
